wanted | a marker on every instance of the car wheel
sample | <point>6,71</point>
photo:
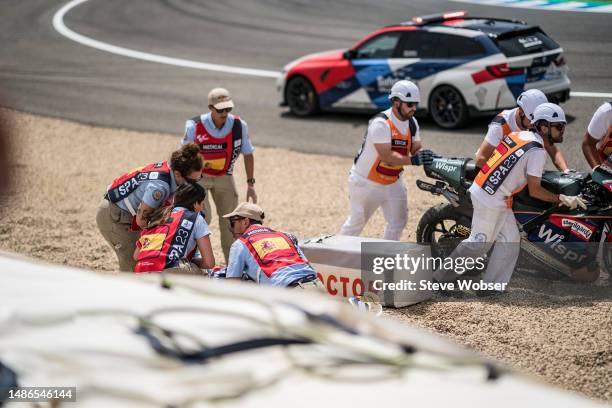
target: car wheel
<point>301,97</point>
<point>448,108</point>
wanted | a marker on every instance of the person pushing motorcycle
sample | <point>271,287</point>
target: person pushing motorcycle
<point>516,120</point>
<point>517,161</point>
<point>391,142</point>
<point>597,144</point>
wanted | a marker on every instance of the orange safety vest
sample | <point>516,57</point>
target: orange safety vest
<point>500,120</point>
<point>219,154</point>
<point>385,173</point>
<point>272,250</point>
<point>164,245</point>
<point>504,158</point>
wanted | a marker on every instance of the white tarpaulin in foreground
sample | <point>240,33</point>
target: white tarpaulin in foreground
<point>126,342</point>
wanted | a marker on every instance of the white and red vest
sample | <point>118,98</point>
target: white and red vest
<point>271,249</point>
<point>219,154</point>
<point>162,246</point>
<point>125,185</point>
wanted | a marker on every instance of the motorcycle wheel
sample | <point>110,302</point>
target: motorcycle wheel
<point>436,227</point>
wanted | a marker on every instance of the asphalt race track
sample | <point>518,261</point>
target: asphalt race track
<point>45,73</point>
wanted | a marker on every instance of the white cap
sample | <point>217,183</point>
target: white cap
<point>247,210</point>
<point>406,91</point>
<point>529,100</point>
<point>549,112</point>
<point>220,98</point>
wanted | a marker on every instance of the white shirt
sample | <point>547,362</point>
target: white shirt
<point>379,132</point>
<point>530,164</point>
<point>495,133</point>
<point>601,123</point>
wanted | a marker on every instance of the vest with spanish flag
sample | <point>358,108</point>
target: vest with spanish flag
<point>164,245</point>
<point>379,171</point>
<point>219,154</point>
<point>272,250</point>
<point>126,184</point>
<point>504,159</point>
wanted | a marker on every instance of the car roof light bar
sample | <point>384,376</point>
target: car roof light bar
<point>450,15</point>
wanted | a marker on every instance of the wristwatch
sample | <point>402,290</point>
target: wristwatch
<point>250,181</point>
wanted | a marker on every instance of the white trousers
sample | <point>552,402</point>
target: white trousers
<point>489,226</point>
<point>367,196</point>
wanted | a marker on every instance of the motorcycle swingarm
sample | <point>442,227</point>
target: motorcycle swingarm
<point>439,189</point>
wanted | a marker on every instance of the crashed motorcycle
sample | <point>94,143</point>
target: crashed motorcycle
<point>556,243</point>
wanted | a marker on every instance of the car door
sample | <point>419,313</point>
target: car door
<point>370,61</point>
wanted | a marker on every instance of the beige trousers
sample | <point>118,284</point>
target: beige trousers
<point>114,224</point>
<point>225,196</point>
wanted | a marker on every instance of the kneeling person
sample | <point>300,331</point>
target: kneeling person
<point>266,256</point>
<point>169,241</point>
<point>130,199</point>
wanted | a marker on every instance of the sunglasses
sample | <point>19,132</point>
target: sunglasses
<point>559,126</point>
<point>227,110</point>
<point>410,104</point>
<point>233,220</point>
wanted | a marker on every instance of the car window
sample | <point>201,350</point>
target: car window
<point>418,44</point>
<point>381,46</point>
<point>521,43</point>
<point>454,46</point>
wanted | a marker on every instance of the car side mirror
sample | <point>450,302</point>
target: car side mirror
<point>349,54</point>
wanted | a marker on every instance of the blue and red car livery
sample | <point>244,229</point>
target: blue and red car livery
<point>463,66</point>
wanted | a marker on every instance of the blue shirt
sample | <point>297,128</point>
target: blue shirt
<point>151,192</point>
<point>246,147</point>
<point>241,261</point>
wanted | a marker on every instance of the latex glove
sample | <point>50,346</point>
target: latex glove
<point>572,202</point>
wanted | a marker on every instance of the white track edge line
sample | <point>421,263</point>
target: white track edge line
<point>60,27</point>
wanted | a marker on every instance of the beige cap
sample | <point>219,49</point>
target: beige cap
<point>220,98</point>
<point>247,210</point>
